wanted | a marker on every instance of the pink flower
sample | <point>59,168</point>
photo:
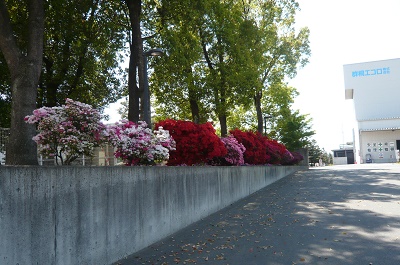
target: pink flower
<point>66,134</point>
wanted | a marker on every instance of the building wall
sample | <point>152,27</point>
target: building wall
<point>380,124</point>
<point>375,88</point>
<point>380,144</point>
<point>340,160</point>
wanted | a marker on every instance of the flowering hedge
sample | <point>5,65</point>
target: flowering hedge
<point>195,143</point>
<point>74,129</point>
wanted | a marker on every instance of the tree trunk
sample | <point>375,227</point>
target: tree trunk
<point>135,61</point>
<point>222,123</point>
<point>50,98</point>
<point>194,107</point>
<point>21,149</point>
<point>25,72</point>
<point>257,104</point>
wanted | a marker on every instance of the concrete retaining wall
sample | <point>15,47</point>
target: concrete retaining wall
<point>98,215</point>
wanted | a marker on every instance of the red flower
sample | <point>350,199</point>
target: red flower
<point>195,143</point>
<point>255,145</point>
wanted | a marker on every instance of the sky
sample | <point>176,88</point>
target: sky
<point>341,32</point>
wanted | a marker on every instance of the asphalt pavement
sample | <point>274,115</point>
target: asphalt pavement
<point>338,215</point>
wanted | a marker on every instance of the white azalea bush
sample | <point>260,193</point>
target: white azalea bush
<point>68,131</point>
<point>137,145</point>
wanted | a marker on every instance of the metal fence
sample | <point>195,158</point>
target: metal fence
<point>4,133</point>
<point>103,156</point>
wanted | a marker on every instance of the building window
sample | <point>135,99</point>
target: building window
<point>340,154</point>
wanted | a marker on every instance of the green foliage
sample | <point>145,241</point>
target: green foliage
<point>221,54</point>
<point>315,153</point>
<point>287,125</point>
<point>83,41</point>
<point>83,45</point>
<point>243,119</point>
<point>294,130</point>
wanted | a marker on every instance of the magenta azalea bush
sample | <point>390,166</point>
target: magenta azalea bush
<point>68,131</point>
<point>137,145</point>
<point>234,157</point>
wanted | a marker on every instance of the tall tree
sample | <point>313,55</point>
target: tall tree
<point>285,124</point>
<point>315,153</point>
<point>178,84</point>
<point>284,49</point>
<point>294,130</point>
<point>24,64</point>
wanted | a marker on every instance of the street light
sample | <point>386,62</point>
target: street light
<point>146,93</point>
<point>265,123</point>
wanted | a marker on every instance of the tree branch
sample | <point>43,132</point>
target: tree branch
<point>8,44</point>
<point>205,52</point>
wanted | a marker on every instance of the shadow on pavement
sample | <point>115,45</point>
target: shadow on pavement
<point>328,215</point>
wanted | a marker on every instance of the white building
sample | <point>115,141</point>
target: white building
<point>375,90</point>
<point>344,155</point>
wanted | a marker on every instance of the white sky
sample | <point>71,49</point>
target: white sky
<point>342,32</point>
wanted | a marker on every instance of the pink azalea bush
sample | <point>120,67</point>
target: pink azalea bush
<point>235,153</point>
<point>68,131</point>
<point>137,145</point>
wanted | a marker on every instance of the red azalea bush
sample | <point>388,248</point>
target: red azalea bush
<point>261,150</point>
<point>255,144</point>
<point>280,155</point>
<point>195,143</point>
<point>276,151</point>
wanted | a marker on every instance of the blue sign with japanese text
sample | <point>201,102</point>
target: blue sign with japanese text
<point>371,72</point>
